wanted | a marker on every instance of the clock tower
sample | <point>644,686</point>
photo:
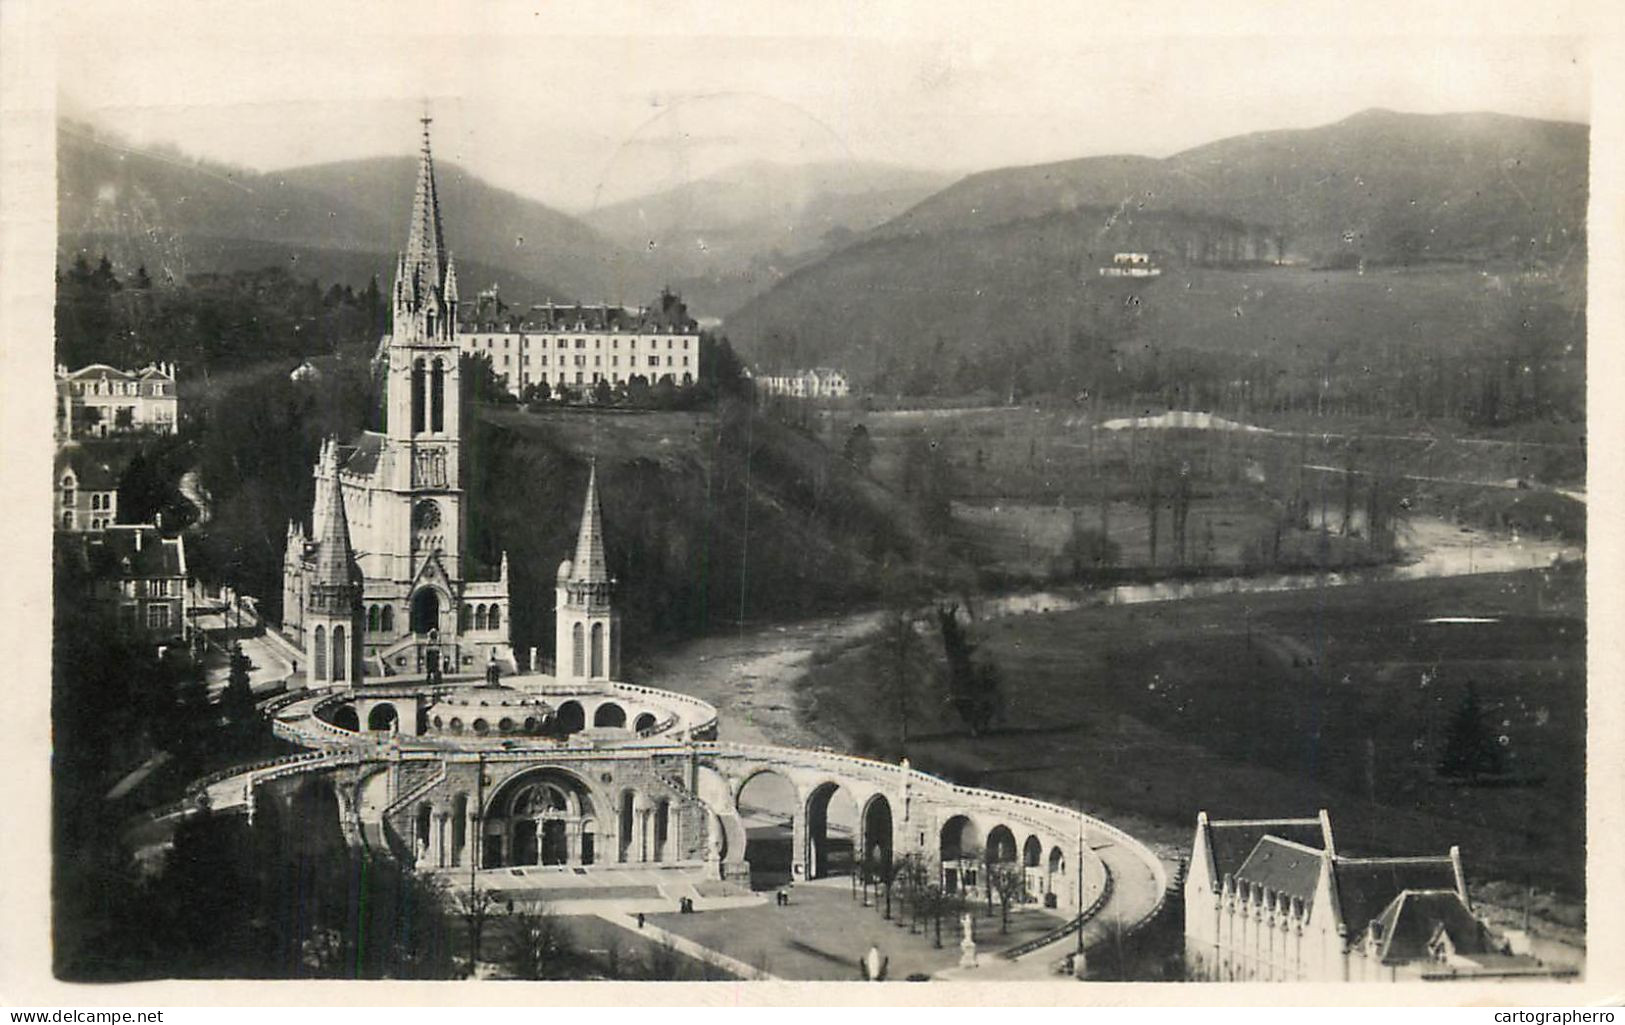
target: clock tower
<point>423,612</point>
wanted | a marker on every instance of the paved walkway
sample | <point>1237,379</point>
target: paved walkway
<point>689,947</point>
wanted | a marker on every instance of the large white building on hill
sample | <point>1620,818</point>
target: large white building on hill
<point>574,347</point>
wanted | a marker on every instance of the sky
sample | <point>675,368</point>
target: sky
<point>579,104</point>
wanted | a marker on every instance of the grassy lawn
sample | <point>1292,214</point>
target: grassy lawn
<point>824,932</point>
<point>1278,704</point>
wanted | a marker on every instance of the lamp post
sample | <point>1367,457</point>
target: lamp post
<point>1080,880</point>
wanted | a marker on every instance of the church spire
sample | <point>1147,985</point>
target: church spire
<point>591,565</point>
<point>334,557</point>
<point>425,247</point>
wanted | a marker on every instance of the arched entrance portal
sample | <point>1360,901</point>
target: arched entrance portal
<point>346,719</point>
<point>961,853</point>
<point>425,611</point>
<point>383,717</point>
<point>571,718</point>
<point>832,828</point>
<point>768,806</point>
<point>877,833</point>
<point>544,817</point>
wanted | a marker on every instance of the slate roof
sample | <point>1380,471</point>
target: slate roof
<point>155,557</point>
<point>1283,867</point>
<point>590,564</point>
<point>668,316</point>
<point>91,474</point>
<point>1233,842</point>
<point>361,458</point>
<point>1365,886</point>
<point>1411,920</point>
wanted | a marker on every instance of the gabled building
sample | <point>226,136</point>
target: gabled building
<point>1274,900</point>
<point>84,491</point>
<point>401,504</point>
<point>816,383</point>
<point>139,577</point>
<point>99,400</point>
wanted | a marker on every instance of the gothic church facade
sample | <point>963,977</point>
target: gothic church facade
<point>393,503</point>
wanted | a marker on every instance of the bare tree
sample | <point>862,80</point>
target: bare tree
<point>539,945</point>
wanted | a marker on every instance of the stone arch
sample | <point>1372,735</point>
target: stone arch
<point>437,393</point>
<point>571,717</point>
<point>725,833</point>
<point>877,830</point>
<point>341,654</point>
<point>537,817</point>
<point>1057,860</point>
<point>479,617</point>
<point>459,827</point>
<point>578,656</point>
<point>372,619</point>
<point>465,618</point>
<point>1032,852</point>
<point>597,650</point>
<point>425,610</point>
<point>832,830</point>
<point>386,619</point>
<point>645,721</point>
<point>319,648</point>
<point>1001,846</point>
<point>770,807</point>
<point>494,620</point>
<point>383,716</point>
<point>626,823</point>
<point>660,846</point>
<point>417,396</point>
<point>346,719</point>
<point>960,851</point>
<point>609,714</point>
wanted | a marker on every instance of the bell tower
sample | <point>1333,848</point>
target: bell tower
<point>424,389</point>
<point>587,628</point>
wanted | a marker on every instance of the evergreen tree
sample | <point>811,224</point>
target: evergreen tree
<point>1470,751</point>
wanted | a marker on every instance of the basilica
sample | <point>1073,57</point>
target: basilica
<point>381,583</point>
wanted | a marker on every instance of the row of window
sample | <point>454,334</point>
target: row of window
<point>162,587</point>
<point>581,343</point>
<point>381,618</point>
<point>582,378</point>
<point>597,361</point>
<point>157,616</point>
<point>116,388</point>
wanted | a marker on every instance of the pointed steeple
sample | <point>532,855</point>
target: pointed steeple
<point>590,565</point>
<point>425,246</point>
<point>451,280</point>
<point>334,557</point>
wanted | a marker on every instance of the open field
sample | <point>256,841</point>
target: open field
<point>1277,704</point>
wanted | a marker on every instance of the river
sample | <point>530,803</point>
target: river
<point>750,676</point>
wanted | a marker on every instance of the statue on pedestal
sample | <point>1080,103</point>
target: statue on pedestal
<point>967,942</point>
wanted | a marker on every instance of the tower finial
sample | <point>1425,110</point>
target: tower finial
<point>591,565</point>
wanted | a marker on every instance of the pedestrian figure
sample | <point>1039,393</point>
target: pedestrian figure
<point>640,918</point>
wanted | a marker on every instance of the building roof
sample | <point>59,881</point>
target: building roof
<point>89,473</point>
<point>1283,867</point>
<point>136,551</point>
<point>590,565</point>
<point>1408,927</point>
<point>361,456</point>
<point>1233,841</point>
<point>1365,886</point>
<point>334,559</point>
<point>425,255</point>
<point>669,315</point>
